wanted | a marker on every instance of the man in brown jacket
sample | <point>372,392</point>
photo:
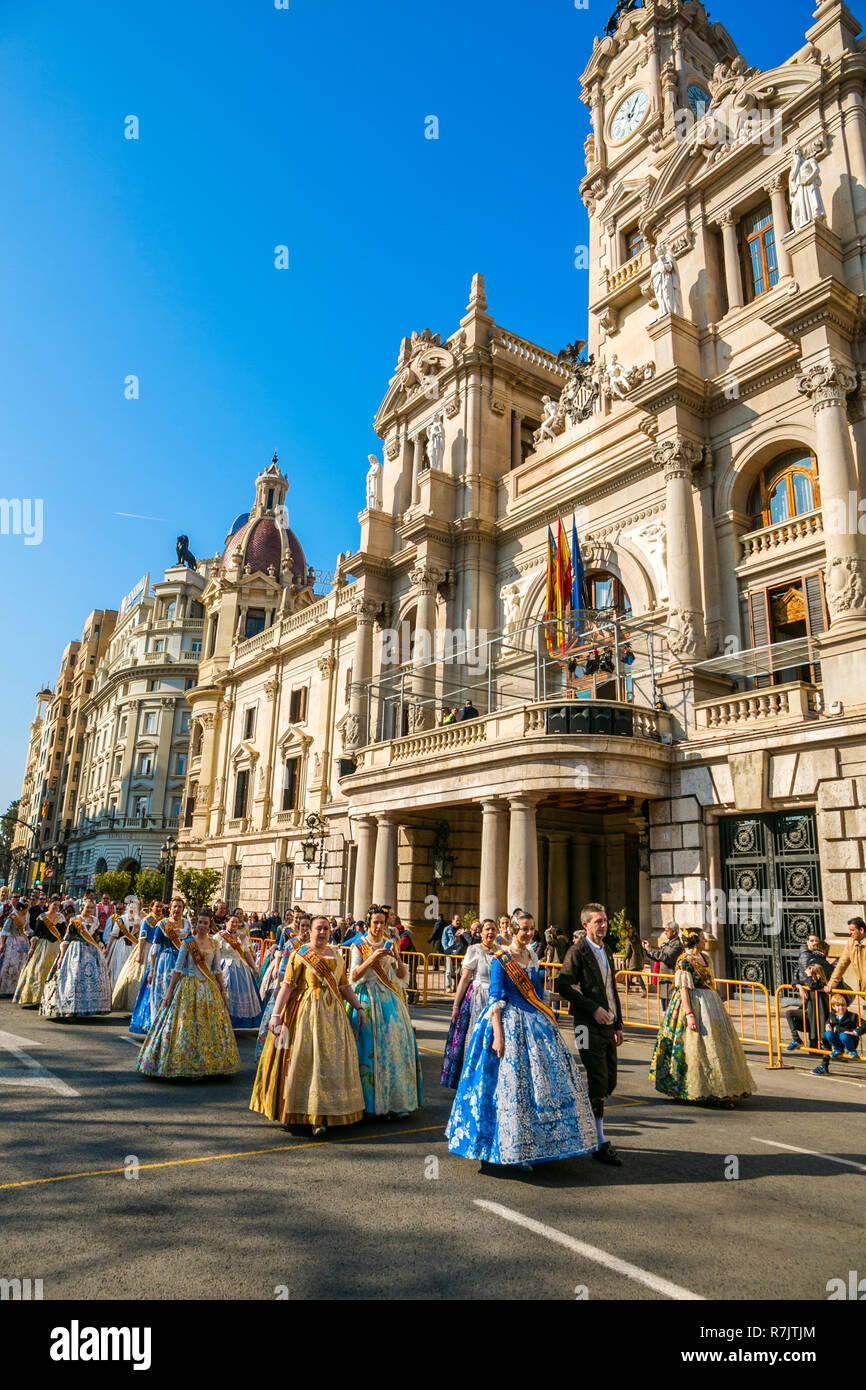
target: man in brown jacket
<point>852,959</point>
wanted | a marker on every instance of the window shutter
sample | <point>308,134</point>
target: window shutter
<point>760,628</point>
<point>814,585</point>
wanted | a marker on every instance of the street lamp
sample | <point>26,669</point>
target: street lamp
<point>167,860</point>
<point>313,845</point>
<point>443,859</point>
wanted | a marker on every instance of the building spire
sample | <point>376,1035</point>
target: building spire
<point>477,297</point>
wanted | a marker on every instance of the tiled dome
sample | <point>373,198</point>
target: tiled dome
<point>260,545</point>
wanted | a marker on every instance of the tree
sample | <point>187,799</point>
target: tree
<point>115,883</point>
<point>149,885</point>
<point>616,932</point>
<point>7,830</point>
<point>197,886</point>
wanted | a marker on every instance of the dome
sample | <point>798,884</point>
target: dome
<point>238,522</point>
<point>261,545</point>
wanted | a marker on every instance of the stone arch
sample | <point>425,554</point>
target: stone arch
<point>734,487</point>
<point>625,562</point>
<point>130,866</point>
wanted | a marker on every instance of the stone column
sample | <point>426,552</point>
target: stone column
<point>385,862</point>
<point>827,384</point>
<point>732,260</point>
<point>678,458</point>
<point>516,422</point>
<point>583,852</point>
<point>557,882</point>
<point>424,578</point>
<point>776,190</point>
<point>494,860</point>
<point>356,730</point>
<point>365,836</point>
<point>417,461</point>
<point>522,855</point>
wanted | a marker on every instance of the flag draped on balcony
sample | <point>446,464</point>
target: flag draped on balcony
<point>564,581</point>
<point>578,600</point>
<point>550,604</point>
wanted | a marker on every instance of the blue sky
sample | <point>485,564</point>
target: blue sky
<point>155,257</point>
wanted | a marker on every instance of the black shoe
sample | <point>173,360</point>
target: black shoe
<point>608,1154</point>
<point>821,1071</point>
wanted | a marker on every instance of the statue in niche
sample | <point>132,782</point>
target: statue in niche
<point>374,484</point>
<point>435,443</point>
<point>804,189</point>
<point>665,280</point>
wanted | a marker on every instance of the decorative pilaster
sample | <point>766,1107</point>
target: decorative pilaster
<point>522,855</point>
<point>494,859</point>
<point>424,579</point>
<point>827,385</point>
<point>732,260</point>
<point>385,862</point>
<point>365,836</point>
<point>678,458</point>
<point>776,190</point>
<point>357,723</point>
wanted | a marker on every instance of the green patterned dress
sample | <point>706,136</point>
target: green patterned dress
<point>707,1064</point>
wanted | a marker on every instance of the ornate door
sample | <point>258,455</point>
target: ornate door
<point>771,875</point>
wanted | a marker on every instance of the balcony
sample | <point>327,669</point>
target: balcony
<point>779,704</point>
<point>770,542</point>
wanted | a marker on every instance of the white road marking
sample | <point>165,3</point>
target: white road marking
<point>127,1037</point>
<point>592,1252</point>
<point>30,1073</point>
<point>813,1153</point>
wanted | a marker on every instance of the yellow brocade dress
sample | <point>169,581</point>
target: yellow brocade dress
<point>192,1036</point>
<point>309,1075</point>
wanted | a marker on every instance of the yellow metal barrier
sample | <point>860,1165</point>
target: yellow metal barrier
<point>743,1009</point>
<point>820,1023</point>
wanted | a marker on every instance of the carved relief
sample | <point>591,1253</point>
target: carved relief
<point>845,578</point>
<point>827,383</point>
<point>686,633</point>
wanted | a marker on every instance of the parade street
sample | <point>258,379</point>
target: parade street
<point>752,1204</point>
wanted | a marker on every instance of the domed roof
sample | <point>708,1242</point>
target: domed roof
<point>260,544</point>
<point>238,522</point>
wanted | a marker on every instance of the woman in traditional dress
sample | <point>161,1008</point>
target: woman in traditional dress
<point>387,1047</point>
<point>14,946</point>
<point>470,1001</point>
<point>270,986</point>
<point>121,938</point>
<point>164,952</point>
<point>44,950</point>
<point>308,1070</point>
<point>132,991</point>
<point>191,1034</point>
<point>79,985</point>
<point>522,1096</point>
<point>239,973</point>
<point>698,1055</point>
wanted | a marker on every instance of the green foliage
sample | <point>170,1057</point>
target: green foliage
<point>115,883</point>
<point>149,885</point>
<point>617,927</point>
<point>197,886</point>
<point>7,831</point>
<point>468,918</point>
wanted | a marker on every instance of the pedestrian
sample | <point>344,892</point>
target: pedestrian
<point>191,1034</point>
<point>503,935</point>
<point>813,972</point>
<point>308,1070</point>
<point>470,1001</point>
<point>410,956</point>
<point>164,952</point>
<point>437,933</point>
<point>388,1057</point>
<point>14,948</point>
<point>121,938</point>
<point>451,949</point>
<point>104,913</point>
<point>132,992</point>
<point>220,914</point>
<point>514,1057</point>
<point>668,952</point>
<point>698,1056</point>
<point>635,960</point>
<point>238,969</point>
<point>853,958</point>
<point>587,982</point>
<point>79,985</point>
<point>43,952</point>
<point>448,715</point>
<point>842,1029</point>
<point>468,711</point>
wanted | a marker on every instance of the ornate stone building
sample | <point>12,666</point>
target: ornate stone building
<point>698,751</point>
<point>134,730</point>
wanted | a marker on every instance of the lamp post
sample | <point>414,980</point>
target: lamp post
<point>167,861</point>
<point>443,859</point>
<point>313,843</point>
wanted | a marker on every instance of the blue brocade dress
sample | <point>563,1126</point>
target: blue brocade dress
<point>388,1056</point>
<point>242,992</point>
<point>139,1024</point>
<point>532,1106</point>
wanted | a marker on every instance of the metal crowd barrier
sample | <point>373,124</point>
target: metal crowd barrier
<point>742,1007</point>
<point>820,1023</point>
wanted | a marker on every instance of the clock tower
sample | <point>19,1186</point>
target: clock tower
<point>647,84</point>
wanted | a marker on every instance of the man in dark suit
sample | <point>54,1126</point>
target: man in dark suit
<point>586,980</point>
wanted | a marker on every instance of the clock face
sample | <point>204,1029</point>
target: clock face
<point>699,99</point>
<point>628,115</point>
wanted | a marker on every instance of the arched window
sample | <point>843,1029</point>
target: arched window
<point>787,488</point>
<point>605,593</point>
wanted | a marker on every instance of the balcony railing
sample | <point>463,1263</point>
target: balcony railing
<point>770,539</point>
<point>778,704</point>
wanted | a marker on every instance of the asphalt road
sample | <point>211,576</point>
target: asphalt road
<point>227,1205</point>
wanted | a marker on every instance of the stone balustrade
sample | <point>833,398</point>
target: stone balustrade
<point>617,278</point>
<point>779,704</point>
<point>784,533</point>
<point>529,352</point>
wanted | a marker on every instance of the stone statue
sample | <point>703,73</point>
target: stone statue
<point>184,554</point>
<point>804,188</point>
<point>665,280</point>
<point>616,377</point>
<point>511,600</point>
<point>374,484</point>
<point>550,409</point>
<point>435,443</point>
